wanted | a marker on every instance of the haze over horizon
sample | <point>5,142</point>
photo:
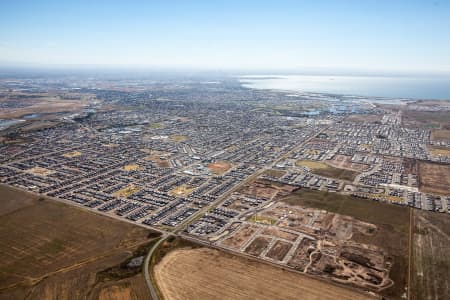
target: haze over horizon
<point>401,36</point>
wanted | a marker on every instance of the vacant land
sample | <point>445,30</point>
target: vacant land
<point>13,199</point>
<point>274,173</point>
<point>178,138</point>
<point>72,154</point>
<point>440,135</point>
<point>127,191</point>
<point>134,288</point>
<point>345,162</point>
<point>132,167</point>
<point>325,170</point>
<point>364,118</point>
<point>434,178</point>
<point>219,167</point>
<point>392,228</point>
<point>158,157</point>
<point>426,119</point>
<point>162,163</point>
<point>52,250</point>
<point>431,267</point>
<point>257,246</point>
<point>438,150</point>
<point>364,210</point>
<point>280,233</point>
<point>43,104</point>
<point>181,190</point>
<point>279,250</point>
<point>156,125</point>
<point>40,171</point>
<point>242,235</point>
<point>211,274</point>
<point>261,219</point>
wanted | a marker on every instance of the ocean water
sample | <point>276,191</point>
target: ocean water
<point>432,87</point>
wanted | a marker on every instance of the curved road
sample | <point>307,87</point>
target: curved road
<point>152,289</point>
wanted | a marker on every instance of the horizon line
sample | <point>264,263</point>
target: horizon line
<point>240,71</point>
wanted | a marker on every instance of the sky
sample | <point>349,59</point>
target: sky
<point>391,35</point>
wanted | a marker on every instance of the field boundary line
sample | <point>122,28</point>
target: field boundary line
<point>410,252</point>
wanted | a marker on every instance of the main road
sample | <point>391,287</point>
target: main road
<point>153,292</point>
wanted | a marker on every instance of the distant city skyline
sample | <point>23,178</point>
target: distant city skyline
<point>397,36</point>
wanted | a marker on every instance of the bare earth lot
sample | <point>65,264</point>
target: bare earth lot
<point>434,178</point>
<point>208,274</point>
<point>440,135</point>
<point>219,167</point>
<point>50,250</point>
<point>237,240</point>
<point>391,235</point>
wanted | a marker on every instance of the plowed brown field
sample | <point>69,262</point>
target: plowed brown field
<point>208,274</point>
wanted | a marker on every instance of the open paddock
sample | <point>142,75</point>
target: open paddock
<point>326,170</point>
<point>53,250</point>
<point>440,135</point>
<point>434,178</point>
<point>208,274</point>
<point>431,263</point>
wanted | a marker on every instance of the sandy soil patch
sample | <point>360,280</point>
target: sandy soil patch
<point>132,167</point>
<point>178,138</point>
<point>72,154</point>
<point>40,171</point>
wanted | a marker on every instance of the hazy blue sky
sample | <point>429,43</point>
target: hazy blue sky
<point>377,35</point>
